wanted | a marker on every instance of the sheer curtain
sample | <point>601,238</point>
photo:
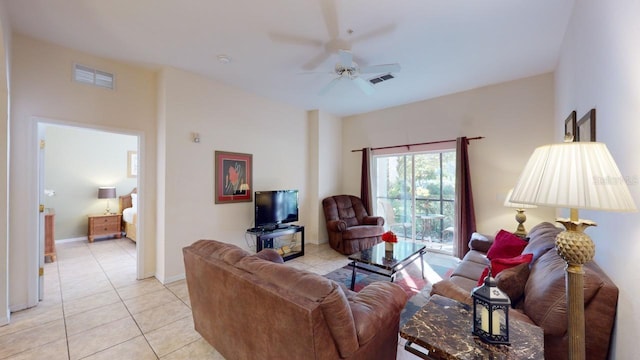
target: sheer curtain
<point>365,182</point>
<point>465,215</point>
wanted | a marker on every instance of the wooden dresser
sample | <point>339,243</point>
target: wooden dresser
<point>49,239</point>
<point>104,225</point>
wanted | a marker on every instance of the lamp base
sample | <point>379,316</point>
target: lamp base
<point>520,218</point>
<point>576,248</point>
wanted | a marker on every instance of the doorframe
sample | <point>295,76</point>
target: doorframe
<point>33,246</point>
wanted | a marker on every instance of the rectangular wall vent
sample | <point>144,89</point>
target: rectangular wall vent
<point>87,75</point>
<point>381,79</point>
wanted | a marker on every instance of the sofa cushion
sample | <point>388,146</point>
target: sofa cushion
<point>480,242</point>
<point>332,299</point>
<point>506,245</point>
<point>545,301</point>
<point>219,250</point>
<point>512,281</point>
<point>450,289</point>
<point>357,232</point>
<point>270,255</point>
<point>337,312</point>
<point>542,238</point>
<point>472,265</point>
<point>498,265</point>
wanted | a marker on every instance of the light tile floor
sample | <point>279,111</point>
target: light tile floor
<point>94,308</point>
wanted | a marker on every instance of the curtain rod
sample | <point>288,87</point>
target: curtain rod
<point>426,143</point>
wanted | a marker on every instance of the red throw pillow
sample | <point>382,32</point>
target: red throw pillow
<point>497,265</point>
<point>506,245</point>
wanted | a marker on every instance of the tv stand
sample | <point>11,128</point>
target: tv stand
<point>264,240</point>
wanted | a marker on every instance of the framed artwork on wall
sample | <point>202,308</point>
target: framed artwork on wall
<point>233,177</point>
<point>132,164</point>
<point>586,127</point>
<point>570,126</point>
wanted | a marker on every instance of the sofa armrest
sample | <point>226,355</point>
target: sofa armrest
<point>373,220</point>
<point>270,255</point>
<point>336,225</point>
<point>375,307</point>
<point>448,289</point>
<point>480,242</point>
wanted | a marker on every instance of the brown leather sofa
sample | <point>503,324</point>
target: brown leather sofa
<point>349,226</point>
<point>544,302</point>
<point>255,307</point>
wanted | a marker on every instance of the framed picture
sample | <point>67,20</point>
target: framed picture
<point>586,130</point>
<point>570,126</point>
<point>233,177</point>
<point>132,164</point>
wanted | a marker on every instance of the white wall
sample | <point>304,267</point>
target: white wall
<point>329,143</point>
<point>227,119</point>
<point>600,68</point>
<point>5,45</point>
<point>42,87</point>
<point>514,118</point>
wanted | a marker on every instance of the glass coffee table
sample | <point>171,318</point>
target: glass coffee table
<point>380,261</point>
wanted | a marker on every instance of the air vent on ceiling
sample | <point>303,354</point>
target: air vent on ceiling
<point>381,78</point>
<point>87,75</point>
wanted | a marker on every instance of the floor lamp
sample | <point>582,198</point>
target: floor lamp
<point>574,175</point>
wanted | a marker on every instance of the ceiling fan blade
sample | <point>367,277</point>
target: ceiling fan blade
<point>313,63</point>
<point>364,85</point>
<point>346,58</point>
<point>378,69</point>
<point>329,86</point>
<point>293,39</point>
<point>374,33</point>
<point>330,16</point>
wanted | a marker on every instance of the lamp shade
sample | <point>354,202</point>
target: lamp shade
<point>106,192</point>
<point>577,175</point>
<point>508,203</point>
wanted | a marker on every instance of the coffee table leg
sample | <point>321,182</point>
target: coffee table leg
<point>421,263</point>
<point>353,275</point>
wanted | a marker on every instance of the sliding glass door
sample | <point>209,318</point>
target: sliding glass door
<point>415,193</point>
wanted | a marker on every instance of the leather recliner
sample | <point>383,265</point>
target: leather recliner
<point>349,226</point>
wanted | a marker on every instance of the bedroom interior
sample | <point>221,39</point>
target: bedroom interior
<point>83,169</point>
<point>593,64</point>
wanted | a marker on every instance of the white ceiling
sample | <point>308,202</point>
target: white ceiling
<point>442,46</point>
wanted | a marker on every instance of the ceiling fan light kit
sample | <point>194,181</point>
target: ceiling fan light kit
<point>350,70</point>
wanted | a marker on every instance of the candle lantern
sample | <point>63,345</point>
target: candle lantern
<point>491,312</point>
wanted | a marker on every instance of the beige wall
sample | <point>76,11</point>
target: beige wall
<point>325,150</point>
<point>77,162</point>
<point>42,88</point>
<point>227,119</point>
<point>600,68</point>
<point>514,118</point>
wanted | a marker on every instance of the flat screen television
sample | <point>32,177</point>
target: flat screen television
<point>275,208</point>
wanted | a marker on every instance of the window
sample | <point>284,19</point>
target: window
<point>415,192</point>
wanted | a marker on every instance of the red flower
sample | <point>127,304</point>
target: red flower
<point>389,236</point>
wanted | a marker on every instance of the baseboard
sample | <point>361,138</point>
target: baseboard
<point>169,280</point>
<point>4,320</point>
<point>61,241</point>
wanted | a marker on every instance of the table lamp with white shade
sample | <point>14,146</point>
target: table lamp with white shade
<point>574,175</point>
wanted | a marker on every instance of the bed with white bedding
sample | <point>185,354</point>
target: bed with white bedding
<point>129,208</point>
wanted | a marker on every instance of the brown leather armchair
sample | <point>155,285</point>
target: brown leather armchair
<point>350,227</point>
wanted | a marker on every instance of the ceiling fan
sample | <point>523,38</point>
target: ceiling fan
<point>347,69</point>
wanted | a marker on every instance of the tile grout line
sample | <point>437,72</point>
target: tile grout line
<point>126,308</point>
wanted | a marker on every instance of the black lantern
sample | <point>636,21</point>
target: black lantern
<point>491,312</point>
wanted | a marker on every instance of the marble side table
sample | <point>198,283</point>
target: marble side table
<point>443,328</point>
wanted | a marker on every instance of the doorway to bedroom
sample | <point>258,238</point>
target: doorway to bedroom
<point>86,176</point>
